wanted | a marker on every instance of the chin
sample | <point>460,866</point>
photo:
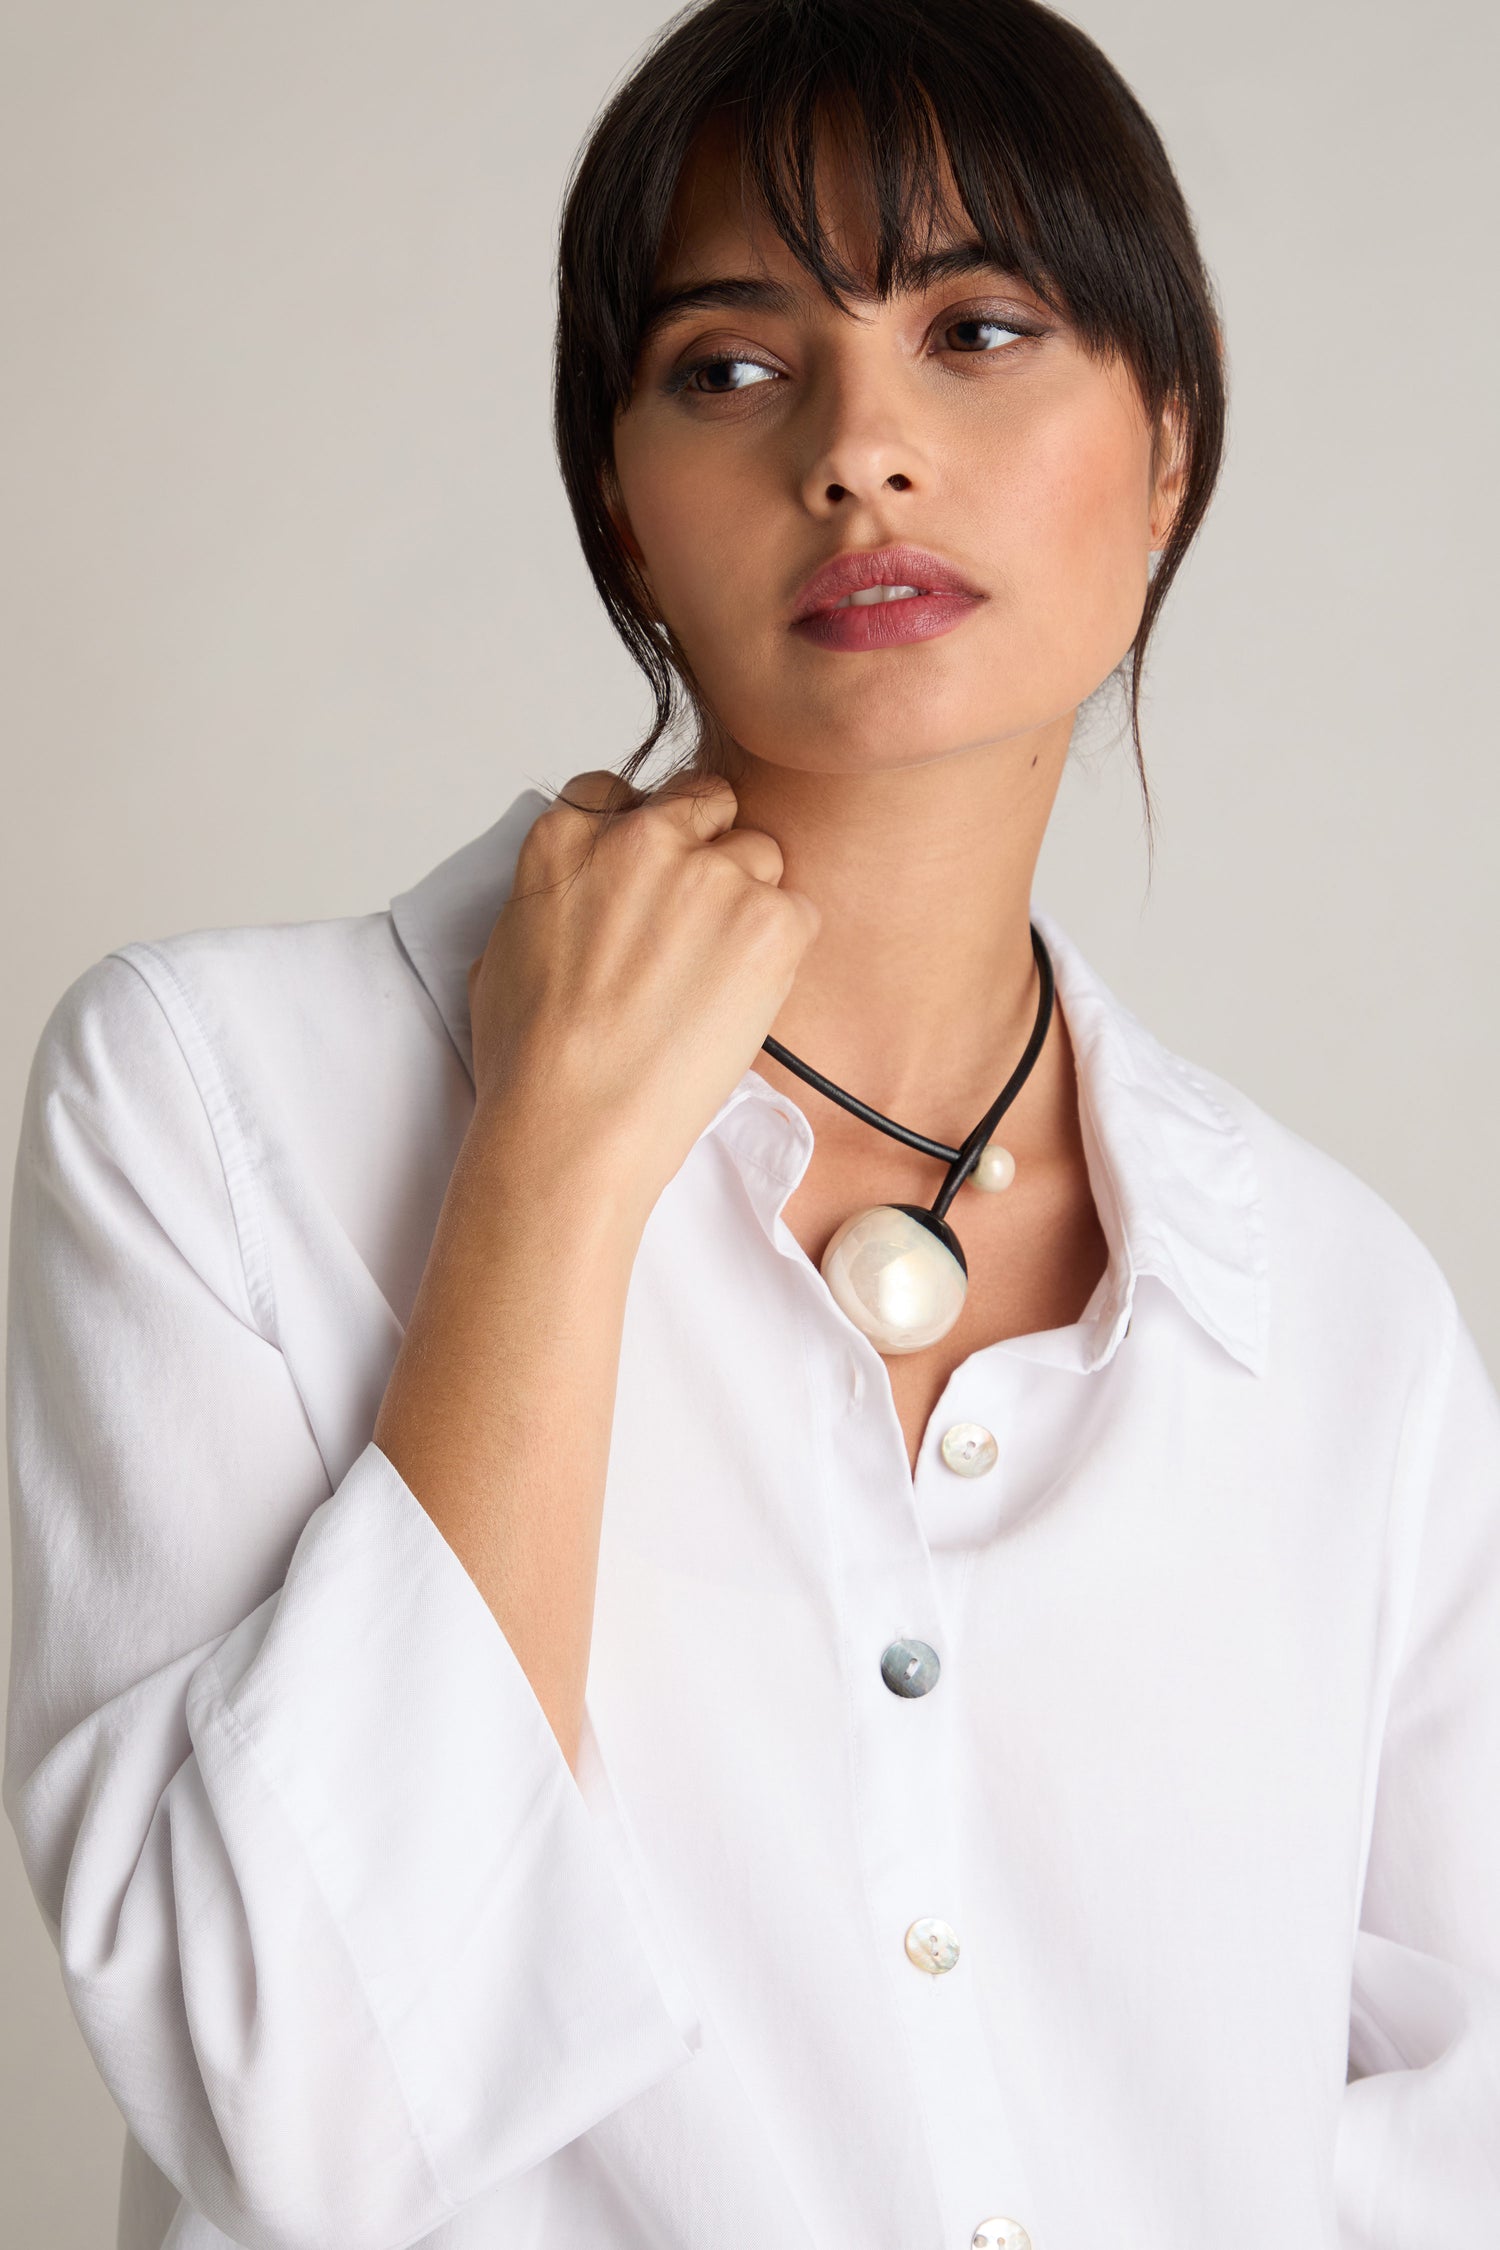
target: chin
<point>802,746</point>
<point>885,726</point>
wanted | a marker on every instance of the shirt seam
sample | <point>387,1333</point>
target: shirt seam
<point>226,1124</point>
<point>778,1179</point>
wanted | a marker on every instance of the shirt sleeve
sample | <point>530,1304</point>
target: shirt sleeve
<point>1419,2143</point>
<point>347,1940</point>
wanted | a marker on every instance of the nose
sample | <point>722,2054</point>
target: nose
<point>864,448</point>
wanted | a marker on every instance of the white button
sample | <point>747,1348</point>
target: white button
<point>969,1448</point>
<point>932,1945</point>
<point>1000,2234</point>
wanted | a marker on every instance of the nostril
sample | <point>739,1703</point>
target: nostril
<point>898,482</point>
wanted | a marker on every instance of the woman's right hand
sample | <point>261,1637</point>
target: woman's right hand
<point>632,975</point>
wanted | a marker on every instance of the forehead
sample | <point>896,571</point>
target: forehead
<point>719,221</point>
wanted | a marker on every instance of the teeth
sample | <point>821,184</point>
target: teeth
<point>871,594</point>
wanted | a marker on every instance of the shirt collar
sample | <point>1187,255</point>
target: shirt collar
<point>1172,1169</point>
<point>1171,1165</point>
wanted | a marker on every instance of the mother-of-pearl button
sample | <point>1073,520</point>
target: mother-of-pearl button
<point>1000,2234</point>
<point>970,1449</point>
<point>910,1667</point>
<point>932,1945</point>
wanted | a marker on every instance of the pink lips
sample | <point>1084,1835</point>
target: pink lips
<point>943,599</point>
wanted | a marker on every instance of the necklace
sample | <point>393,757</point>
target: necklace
<point>897,1270</point>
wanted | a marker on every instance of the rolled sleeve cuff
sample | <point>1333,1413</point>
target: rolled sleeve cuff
<point>494,1908</point>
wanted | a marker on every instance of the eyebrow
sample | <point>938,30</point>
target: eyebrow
<point>755,293</point>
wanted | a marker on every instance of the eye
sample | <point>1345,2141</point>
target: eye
<point>720,376</point>
<point>980,334</point>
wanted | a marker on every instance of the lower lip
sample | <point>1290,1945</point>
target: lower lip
<point>870,625</point>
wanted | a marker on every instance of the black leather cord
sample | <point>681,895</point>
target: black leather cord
<point>860,1109</point>
<point>960,1161</point>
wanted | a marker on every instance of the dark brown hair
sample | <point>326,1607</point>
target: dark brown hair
<point>1057,166</point>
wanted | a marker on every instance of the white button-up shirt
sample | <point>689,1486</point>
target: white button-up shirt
<point>1167,1918</point>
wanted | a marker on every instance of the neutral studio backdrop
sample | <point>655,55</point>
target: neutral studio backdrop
<point>292,608</point>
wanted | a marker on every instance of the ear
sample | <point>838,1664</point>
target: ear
<point>1169,477</point>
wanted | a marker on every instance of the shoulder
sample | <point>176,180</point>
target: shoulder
<point>239,1085</point>
<point>290,997</point>
<point>1338,1253</point>
<point>190,1057</point>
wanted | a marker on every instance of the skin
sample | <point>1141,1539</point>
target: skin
<point>908,788</point>
<point>858,884</point>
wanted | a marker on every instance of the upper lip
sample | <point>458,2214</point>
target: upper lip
<point>857,568</point>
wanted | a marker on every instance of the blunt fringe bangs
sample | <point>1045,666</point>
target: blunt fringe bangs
<point>1063,178</point>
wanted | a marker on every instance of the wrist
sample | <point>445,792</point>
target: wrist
<point>587,1178</point>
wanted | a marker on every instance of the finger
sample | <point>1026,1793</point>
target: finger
<point>701,806</point>
<point>753,850</point>
<point>599,790</point>
<point>808,909</point>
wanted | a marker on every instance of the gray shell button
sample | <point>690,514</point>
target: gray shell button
<point>910,1668</point>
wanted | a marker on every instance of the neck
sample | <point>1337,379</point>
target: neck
<point>920,989</point>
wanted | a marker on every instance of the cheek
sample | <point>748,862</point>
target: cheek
<point>701,534</point>
<point>1080,502</point>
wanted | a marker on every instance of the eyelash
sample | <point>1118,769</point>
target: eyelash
<point>682,377</point>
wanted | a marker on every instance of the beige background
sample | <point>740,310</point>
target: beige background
<point>292,608</point>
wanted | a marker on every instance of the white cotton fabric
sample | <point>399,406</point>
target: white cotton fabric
<point>1209,1786</point>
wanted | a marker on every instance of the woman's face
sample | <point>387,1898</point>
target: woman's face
<point>770,434</point>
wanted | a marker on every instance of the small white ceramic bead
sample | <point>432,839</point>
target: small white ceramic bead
<point>894,1279</point>
<point>995,1170</point>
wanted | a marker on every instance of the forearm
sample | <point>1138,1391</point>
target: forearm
<point>500,1404</point>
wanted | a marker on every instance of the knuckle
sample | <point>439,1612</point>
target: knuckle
<point>760,909</point>
<point>807,914</point>
<point>596,782</point>
<point>788,920</point>
<point>541,845</point>
<point>583,796</point>
<point>697,797</point>
<point>705,878</point>
<point>534,846</point>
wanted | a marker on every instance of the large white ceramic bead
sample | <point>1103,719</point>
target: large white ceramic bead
<point>895,1278</point>
<point>995,1170</point>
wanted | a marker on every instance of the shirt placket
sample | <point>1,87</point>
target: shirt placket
<point>905,1746</point>
<point>910,1782</point>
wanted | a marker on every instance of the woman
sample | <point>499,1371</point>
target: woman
<point>610,1651</point>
